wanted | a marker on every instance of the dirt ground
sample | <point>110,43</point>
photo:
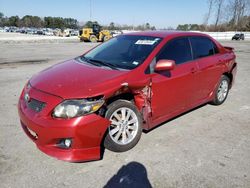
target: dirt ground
<point>207,147</point>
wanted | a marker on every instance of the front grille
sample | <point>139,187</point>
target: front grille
<point>36,105</point>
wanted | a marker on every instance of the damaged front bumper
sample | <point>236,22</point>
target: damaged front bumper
<point>86,132</point>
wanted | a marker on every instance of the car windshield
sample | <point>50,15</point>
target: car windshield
<point>122,52</point>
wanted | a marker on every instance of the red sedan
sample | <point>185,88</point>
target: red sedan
<point>130,83</point>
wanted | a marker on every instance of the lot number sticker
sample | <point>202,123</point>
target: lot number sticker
<point>145,42</point>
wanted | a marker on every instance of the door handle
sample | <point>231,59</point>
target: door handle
<point>193,70</point>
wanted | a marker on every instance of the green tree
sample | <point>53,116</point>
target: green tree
<point>13,21</point>
<point>112,26</point>
<point>37,22</point>
<point>26,21</point>
<point>1,19</point>
<point>90,24</point>
<point>1,15</point>
<point>147,26</point>
<point>153,28</point>
<point>194,27</point>
<point>54,22</point>
<point>70,23</point>
<point>59,23</point>
<point>184,27</point>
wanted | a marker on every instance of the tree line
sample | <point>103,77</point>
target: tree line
<point>223,15</point>
<point>113,26</point>
<point>38,22</point>
<point>62,23</point>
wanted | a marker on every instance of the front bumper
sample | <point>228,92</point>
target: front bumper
<point>86,132</point>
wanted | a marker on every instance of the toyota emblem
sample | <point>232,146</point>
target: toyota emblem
<point>27,97</point>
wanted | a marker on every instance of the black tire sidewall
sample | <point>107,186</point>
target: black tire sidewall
<point>108,142</point>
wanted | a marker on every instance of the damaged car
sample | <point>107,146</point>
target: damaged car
<point>106,97</point>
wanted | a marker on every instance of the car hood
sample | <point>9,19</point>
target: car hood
<point>72,79</point>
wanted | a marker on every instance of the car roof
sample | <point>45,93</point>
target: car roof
<point>164,34</point>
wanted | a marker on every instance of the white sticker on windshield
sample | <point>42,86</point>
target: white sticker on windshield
<point>135,63</point>
<point>145,42</point>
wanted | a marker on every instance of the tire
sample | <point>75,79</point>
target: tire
<point>93,38</point>
<point>105,38</point>
<point>221,91</point>
<point>121,135</point>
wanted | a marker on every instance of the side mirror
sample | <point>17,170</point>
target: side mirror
<point>164,65</point>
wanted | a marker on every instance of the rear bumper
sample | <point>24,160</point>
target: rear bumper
<point>86,133</point>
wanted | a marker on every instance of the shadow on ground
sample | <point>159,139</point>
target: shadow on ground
<point>132,175</point>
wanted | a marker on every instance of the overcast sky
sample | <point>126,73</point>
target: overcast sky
<point>161,13</point>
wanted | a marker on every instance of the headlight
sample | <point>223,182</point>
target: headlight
<point>75,108</point>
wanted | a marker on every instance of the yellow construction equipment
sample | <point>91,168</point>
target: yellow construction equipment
<point>94,34</point>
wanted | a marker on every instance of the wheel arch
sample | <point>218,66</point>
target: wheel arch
<point>230,75</point>
<point>125,96</point>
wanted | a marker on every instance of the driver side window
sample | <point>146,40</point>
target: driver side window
<point>178,50</point>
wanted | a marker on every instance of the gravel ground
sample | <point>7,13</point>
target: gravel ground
<point>207,147</point>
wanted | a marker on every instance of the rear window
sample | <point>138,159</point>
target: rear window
<point>203,47</point>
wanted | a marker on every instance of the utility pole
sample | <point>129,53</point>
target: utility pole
<point>90,9</point>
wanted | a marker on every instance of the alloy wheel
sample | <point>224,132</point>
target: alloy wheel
<point>222,90</point>
<point>124,126</point>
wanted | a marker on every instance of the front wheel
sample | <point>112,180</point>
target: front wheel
<point>221,91</point>
<point>93,38</point>
<point>105,38</point>
<point>125,129</point>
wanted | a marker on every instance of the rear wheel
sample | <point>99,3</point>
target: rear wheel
<point>125,129</point>
<point>221,91</point>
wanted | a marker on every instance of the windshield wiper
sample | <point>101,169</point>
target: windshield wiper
<point>104,63</point>
<point>88,61</point>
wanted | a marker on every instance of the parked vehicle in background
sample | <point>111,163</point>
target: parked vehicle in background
<point>66,33</point>
<point>238,36</point>
<point>31,31</point>
<point>116,33</point>
<point>22,30</point>
<point>48,32</point>
<point>74,32</point>
<point>11,29</point>
<point>40,32</point>
<point>130,83</point>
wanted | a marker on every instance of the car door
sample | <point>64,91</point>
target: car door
<point>173,90</point>
<point>208,59</point>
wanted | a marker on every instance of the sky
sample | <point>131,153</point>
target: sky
<point>160,13</point>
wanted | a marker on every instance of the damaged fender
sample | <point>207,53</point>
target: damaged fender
<point>142,93</point>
